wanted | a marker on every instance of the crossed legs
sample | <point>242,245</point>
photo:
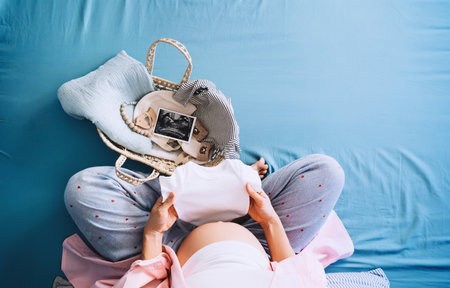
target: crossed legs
<point>111,213</point>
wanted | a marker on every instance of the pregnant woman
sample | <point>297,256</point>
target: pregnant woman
<point>120,220</point>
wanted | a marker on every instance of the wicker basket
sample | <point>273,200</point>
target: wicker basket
<point>160,165</point>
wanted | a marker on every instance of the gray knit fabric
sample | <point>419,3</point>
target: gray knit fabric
<point>371,279</point>
<point>215,112</point>
<point>60,282</point>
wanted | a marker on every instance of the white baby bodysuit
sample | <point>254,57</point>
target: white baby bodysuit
<point>210,194</point>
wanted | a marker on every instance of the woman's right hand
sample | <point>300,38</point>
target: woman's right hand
<point>260,208</point>
<point>162,216</point>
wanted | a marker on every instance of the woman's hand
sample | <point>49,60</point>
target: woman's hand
<point>260,208</point>
<point>162,216</point>
<point>260,167</point>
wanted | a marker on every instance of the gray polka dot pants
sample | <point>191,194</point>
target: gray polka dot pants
<point>111,214</point>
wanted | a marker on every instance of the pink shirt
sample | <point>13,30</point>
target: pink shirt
<point>84,268</point>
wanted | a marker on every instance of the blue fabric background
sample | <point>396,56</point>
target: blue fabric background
<point>367,82</point>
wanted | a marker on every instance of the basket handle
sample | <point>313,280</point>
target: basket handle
<point>130,179</point>
<point>160,82</point>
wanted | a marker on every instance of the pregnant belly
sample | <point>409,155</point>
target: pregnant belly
<point>214,232</point>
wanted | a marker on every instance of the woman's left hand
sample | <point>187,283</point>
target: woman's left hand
<point>162,216</point>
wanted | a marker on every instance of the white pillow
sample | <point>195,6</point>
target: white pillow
<point>98,95</point>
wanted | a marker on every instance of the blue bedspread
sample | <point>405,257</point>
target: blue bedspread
<point>367,82</point>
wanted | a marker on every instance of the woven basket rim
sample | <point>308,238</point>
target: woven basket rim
<point>163,165</point>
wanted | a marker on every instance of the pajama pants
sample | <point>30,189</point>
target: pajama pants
<point>111,214</point>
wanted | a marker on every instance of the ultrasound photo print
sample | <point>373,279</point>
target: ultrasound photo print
<point>174,125</point>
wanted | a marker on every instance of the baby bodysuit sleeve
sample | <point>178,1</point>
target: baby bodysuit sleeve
<point>250,175</point>
<point>173,183</point>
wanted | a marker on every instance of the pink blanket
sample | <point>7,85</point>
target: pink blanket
<point>84,268</point>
